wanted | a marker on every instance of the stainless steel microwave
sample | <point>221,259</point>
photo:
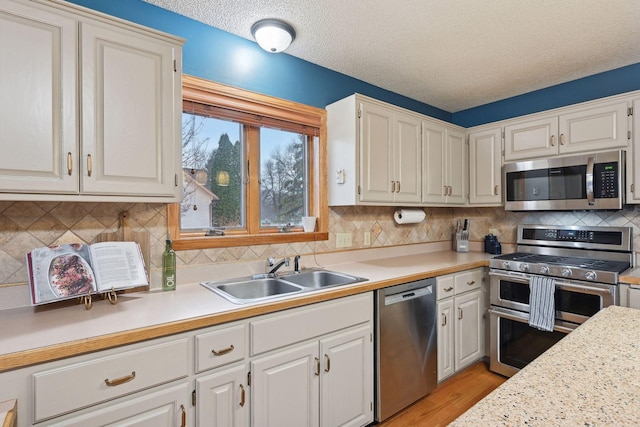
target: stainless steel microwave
<point>583,182</point>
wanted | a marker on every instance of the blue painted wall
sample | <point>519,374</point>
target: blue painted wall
<point>610,83</point>
<point>222,57</point>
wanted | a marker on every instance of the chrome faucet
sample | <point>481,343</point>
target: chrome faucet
<point>276,267</point>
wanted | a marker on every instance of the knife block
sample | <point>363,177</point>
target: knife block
<point>460,244</point>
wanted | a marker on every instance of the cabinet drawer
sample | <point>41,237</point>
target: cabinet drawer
<point>61,390</point>
<point>220,347</point>
<point>444,286</point>
<point>309,322</point>
<point>468,280</point>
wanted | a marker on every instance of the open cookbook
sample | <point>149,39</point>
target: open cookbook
<point>73,270</point>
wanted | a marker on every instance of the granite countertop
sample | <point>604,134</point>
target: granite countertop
<point>590,378</point>
<point>32,335</point>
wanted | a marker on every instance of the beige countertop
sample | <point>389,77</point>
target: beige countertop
<point>631,276</point>
<point>590,378</point>
<point>31,335</point>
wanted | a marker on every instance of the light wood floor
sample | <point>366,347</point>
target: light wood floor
<point>449,400</point>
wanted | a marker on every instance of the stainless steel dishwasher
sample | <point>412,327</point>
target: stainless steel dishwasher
<point>406,345</point>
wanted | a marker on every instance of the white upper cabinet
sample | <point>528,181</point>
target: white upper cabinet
<point>444,160</point>
<point>38,106</point>
<point>531,138</point>
<point>485,167</point>
<point>128,126</point>
<point>118,83</point>
<point>374,153</point>
<point>597,126</point>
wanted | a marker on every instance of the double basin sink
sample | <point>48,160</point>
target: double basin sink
<point>263,287</point>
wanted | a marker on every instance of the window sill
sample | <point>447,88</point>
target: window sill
<point>247,240</point>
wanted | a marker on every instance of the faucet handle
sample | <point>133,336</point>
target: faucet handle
<point>271,261</point>
<point>286,261</point>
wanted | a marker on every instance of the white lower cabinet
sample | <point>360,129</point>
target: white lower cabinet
<point>223,398</point>
<point>306,366</point>
<point>326,381</point>
<point>460,321</point>
<point>164,408</point>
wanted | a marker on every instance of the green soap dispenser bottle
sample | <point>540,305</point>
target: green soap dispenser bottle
<point>168,267</point>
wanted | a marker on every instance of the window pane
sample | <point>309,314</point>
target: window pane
<point>212,160</point>
<point>283,189</point>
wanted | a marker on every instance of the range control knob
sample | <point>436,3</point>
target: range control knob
<point>590,275</point>
<point>505,264</point>
<point>566,272</point>
<point>524,267</point>
<point>544,269</point>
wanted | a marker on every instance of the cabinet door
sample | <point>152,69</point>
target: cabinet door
<point>376,153</point>
<point>535,138</point>
<point>433,163</point>
<point>285,388</point>
<point>445,338</point>
<point>408,161</point>
<point>597,128</point>
<point>456,167</point>
<point>164,408</point>
<point>223,398</point>
<point>347,378</point>
<point>469,339</point>
<point>633,158</point>
<point>485,166</point>
<point>37,100</point>
<point>129,128</point>
<point>634,297</point>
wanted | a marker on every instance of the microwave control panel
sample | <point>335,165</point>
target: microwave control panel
<point>605,180</point>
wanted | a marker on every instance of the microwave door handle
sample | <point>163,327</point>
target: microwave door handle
<point>589,181</point>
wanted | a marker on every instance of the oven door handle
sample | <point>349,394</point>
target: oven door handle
<point>517,316</point>
<point>589,181</point>
<point>584,289</point>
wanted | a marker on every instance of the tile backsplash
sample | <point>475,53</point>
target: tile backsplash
<point>27,225</point>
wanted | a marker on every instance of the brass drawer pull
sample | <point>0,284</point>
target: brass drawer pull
<point>444,319</point>
<point>328,368</point>
<point>317,372</point>
<point>471,283</point>
<point>69,163</point>
<point>242,396</point>
<point>89,164</point>
<point>121,380</point>
<point>495,190</point>
<point>184,417</point>
<point>223,351</point>
<point>459,314</point>
<point>449,289</point>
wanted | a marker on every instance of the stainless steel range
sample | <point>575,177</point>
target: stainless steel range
<point>582,263</point>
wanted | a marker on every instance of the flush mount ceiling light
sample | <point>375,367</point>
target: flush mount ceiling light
<point>273,35</point>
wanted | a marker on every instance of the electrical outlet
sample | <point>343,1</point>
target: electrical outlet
<point>343,240</point>
<point>493,231</point>
<point>367,238</point>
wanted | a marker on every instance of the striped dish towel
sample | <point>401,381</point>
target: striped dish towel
<point>542,306</point>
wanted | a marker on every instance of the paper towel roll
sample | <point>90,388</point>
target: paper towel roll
<point>409,216</point>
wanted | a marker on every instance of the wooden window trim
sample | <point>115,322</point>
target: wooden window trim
<point>241,103</point>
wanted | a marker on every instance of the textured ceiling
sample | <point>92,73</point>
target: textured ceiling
<point>451,54</point>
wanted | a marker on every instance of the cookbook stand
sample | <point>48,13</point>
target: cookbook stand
<point>87,299</point>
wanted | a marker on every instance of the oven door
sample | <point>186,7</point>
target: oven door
<point>514,344</point>
<point>575,301</point>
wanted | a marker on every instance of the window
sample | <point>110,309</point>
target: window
<point>252,168</point>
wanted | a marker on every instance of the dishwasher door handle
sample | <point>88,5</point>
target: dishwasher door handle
<point>407,296</point>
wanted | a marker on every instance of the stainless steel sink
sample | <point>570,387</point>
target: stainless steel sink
<point>256,289</point>
<point>252,290</point>
<point>317,279</point>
